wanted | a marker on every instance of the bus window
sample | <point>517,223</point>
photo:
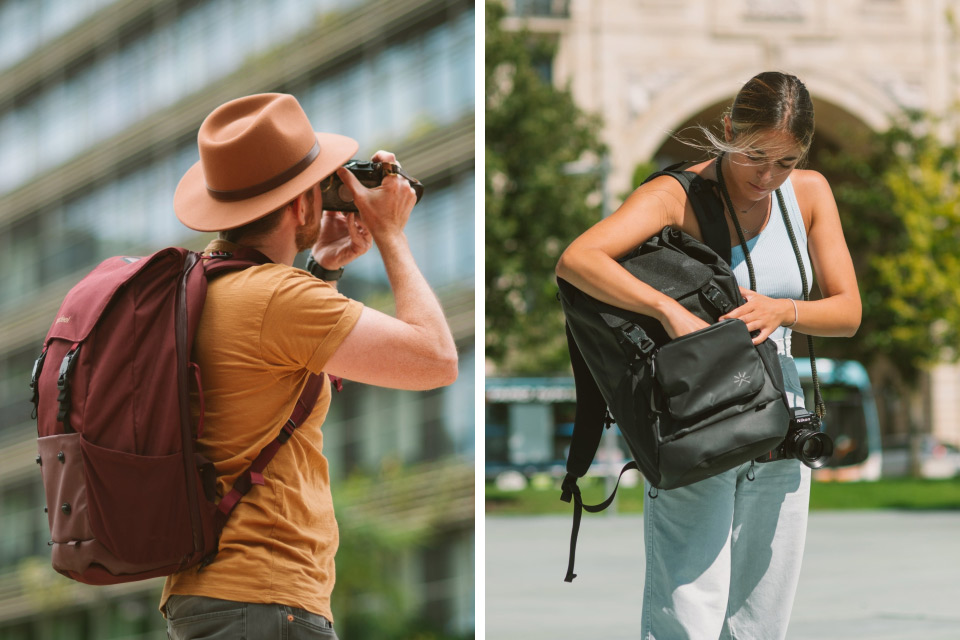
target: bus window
<point>845,422</point>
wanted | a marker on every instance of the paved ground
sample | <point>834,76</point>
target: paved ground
<point>883,575</point>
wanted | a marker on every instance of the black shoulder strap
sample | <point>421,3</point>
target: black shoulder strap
<point>590,416</point>
<point>706,205</point>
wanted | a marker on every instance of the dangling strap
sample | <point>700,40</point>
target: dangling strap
<point>821,409</point>
<point>571,490</point>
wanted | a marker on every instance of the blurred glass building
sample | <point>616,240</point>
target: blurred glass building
<point>100,101</point>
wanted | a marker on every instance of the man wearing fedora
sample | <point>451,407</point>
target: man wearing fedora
<point>264,331</point>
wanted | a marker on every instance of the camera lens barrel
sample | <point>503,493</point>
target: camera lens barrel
<point>813,448</point>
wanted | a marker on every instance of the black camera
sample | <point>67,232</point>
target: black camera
<point>337,197</point>
<point>804,440</point>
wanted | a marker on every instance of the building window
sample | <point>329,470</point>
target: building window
<point>21,514</point>
<point>435,441</point>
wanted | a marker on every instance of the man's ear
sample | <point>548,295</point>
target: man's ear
<point>727,129</point>
<point>299,209</point>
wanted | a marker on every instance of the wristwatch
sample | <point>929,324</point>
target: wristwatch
<point>329,275</point>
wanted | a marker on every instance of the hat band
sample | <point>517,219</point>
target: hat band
<point>233,195</point>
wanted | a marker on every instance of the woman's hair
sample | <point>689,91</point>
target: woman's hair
<point>769,101</point>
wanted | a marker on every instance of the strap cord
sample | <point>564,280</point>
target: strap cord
<point>736,223</point>
<point>818,399</point>
<point>821,409</point>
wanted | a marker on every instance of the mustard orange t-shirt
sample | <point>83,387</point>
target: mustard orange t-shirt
<point>262,332</point>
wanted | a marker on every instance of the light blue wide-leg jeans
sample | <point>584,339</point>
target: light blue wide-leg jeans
<point>723,555</point>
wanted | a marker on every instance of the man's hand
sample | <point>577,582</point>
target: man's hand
<point>384,210</point>
<point>342,240</point>
<point>414,350</point>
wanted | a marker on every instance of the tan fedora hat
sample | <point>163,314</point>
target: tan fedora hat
<point>256,154</point>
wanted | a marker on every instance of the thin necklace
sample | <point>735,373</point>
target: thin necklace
<point>762,220</point>
<point>748,210</point>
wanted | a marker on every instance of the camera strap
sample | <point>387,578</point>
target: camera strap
<point>391,168</point>
<point>821,409</point>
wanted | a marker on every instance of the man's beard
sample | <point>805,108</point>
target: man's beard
<point>308,233</point>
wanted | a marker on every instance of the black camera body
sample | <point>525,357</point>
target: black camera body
<point>337,197</point>
<point>804,440</point>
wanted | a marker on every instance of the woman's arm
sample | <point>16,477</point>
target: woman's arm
<point>589,263</point>
<point>838,312</point>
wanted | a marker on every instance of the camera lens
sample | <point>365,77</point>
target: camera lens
<point>813,448</point>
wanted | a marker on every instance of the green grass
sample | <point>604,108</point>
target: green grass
<point>543,496</point>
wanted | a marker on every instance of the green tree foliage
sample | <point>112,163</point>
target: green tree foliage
<point>900,208</point>
<point>372,596</point>
<point>534,206</point>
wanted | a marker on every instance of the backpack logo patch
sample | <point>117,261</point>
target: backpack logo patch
<point>63,320</point>
<point>741,379</point>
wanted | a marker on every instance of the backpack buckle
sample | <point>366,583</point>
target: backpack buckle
<point>35,382</point>
<point>66,366</point>
<point>63,384</point>
<point>716,297</point>
<point>638,338</point>
<point>569,487</point>
<point>37,368</point>
<point>286,431</point>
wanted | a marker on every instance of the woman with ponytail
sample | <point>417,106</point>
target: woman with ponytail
<point>723,555</point>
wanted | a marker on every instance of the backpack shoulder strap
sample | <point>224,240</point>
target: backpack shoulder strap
<point>241,258</point>
<point>590,416</point>
<point>254,473</point>
<point>706,205</point>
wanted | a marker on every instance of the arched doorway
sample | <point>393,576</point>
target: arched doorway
<point>836,129</point>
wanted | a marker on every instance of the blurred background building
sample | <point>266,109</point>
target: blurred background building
<point>655,68</point>
<point>100,101</point>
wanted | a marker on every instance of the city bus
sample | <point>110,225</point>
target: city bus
<point>851,419</point>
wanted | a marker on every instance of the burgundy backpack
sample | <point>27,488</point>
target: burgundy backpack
<point>128,497</point>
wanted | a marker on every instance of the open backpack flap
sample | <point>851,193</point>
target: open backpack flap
<point>689,408</point>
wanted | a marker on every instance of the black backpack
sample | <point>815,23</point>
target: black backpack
<point>689,408</point>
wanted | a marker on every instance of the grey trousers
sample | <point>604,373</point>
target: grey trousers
<point>196,617</point>
<point>724,554</point>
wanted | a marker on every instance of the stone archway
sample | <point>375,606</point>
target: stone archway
<point>846,107</point>
<point>663,104</point>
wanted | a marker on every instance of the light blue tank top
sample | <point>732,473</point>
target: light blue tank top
<point>774,262</point>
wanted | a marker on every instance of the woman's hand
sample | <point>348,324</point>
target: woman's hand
<point>762,314</point>
<point>677,321</point>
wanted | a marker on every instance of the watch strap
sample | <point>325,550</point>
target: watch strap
<point>328,275</point>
